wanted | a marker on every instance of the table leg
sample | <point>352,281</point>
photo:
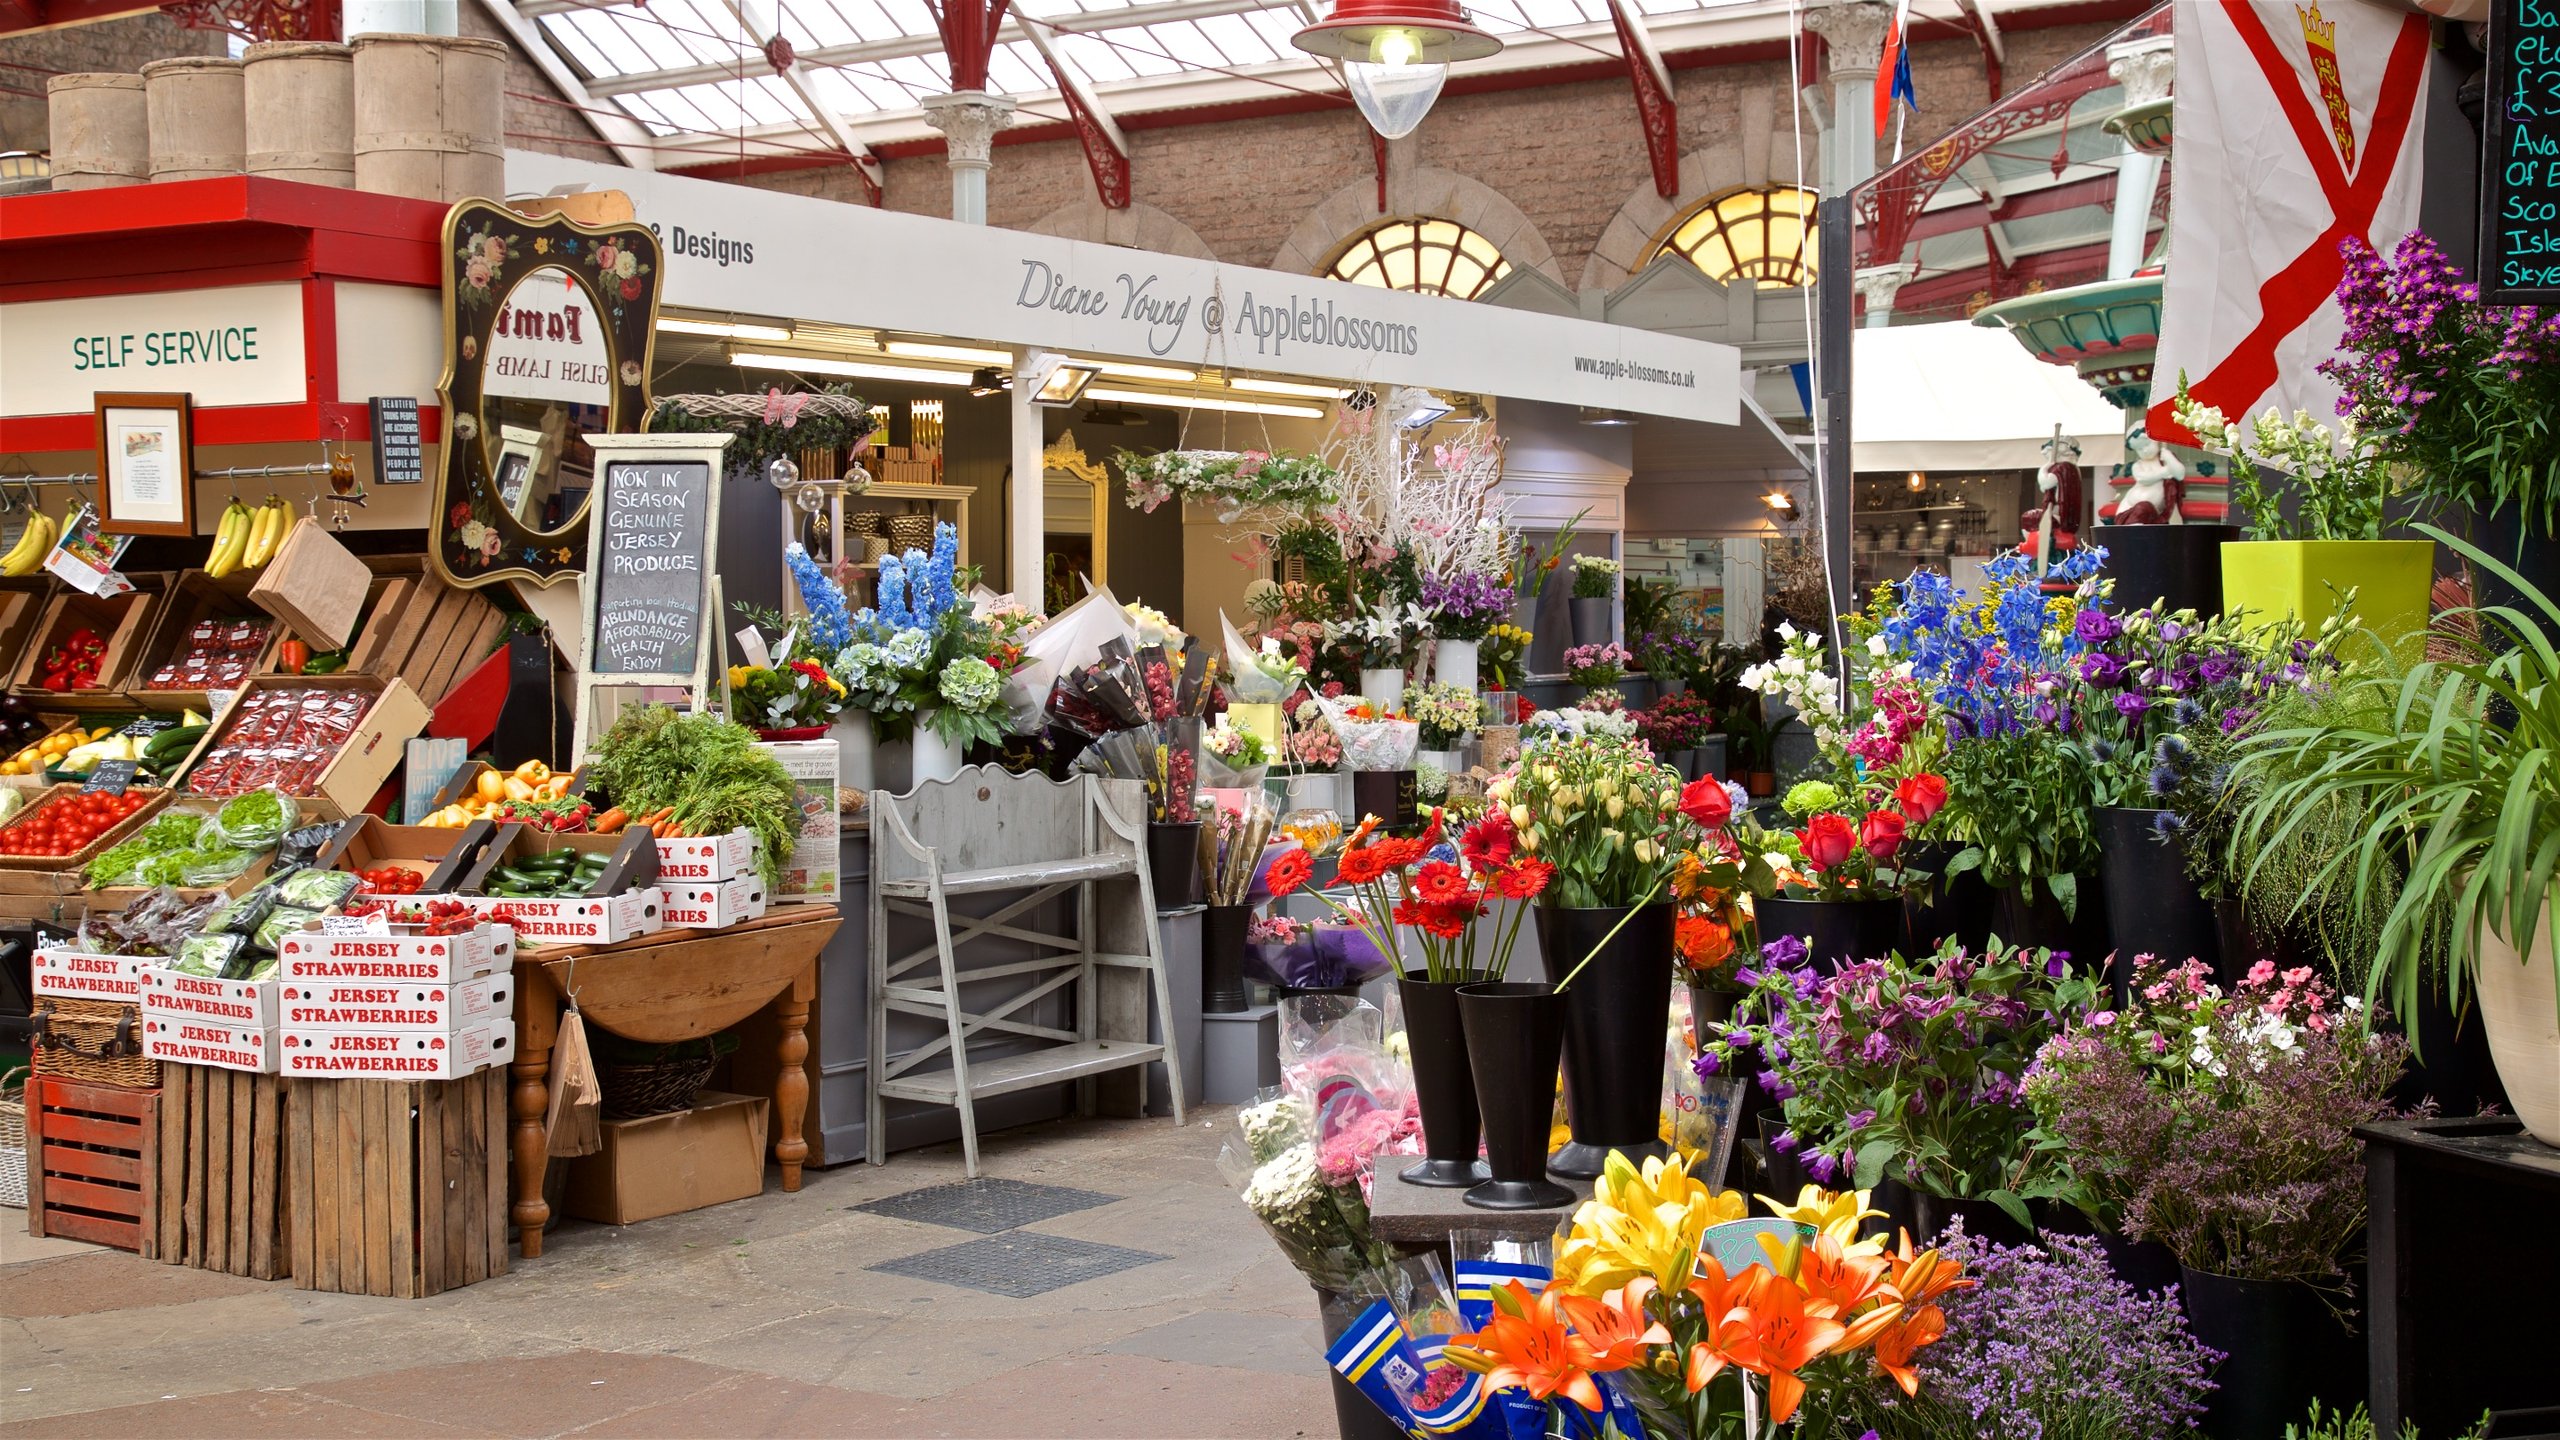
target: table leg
<point>532,1102</point>
<point>791,1080</point>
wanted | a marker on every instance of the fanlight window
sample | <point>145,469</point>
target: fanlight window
<point>1764,236</point>
<point>1435,257</point>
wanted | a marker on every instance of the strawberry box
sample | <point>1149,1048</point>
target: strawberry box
<point>595,921</point>
<point>396,1054</point>
<point>704,859</point>
<point>352,1005</point>
<point>243,1004</point>
<point>79,975</point>
<point>191,1041</point>
<point>709,907</point>
<point>394,957</point>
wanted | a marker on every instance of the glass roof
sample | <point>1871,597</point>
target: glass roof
<point>686,68</point>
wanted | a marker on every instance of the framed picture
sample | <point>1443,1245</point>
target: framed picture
<point>146,465</point>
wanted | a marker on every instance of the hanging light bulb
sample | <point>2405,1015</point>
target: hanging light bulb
<point>1396,55</point>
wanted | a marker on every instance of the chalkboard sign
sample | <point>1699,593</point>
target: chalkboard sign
<point>110,777</point>
<point>649,565</point>
<point>2520,156</point>
<point>399,451</point>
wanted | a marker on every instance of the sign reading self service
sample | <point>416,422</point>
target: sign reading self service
<point>236,345</point>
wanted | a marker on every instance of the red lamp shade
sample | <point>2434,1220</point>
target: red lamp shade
<point>1440,30</point>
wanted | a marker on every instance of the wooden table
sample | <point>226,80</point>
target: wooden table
<point>674,985</point>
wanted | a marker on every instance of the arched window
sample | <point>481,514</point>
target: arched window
<point>1436,257</point>
<point>1765,236</point>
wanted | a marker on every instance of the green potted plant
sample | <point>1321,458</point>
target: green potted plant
<point>2329,551</point>
<point>2455,767</point>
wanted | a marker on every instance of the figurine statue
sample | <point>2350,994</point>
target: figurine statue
<point>2056,521</point>
<point>2159,485</point>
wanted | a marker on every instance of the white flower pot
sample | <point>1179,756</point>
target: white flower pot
<point>2518,1008</point>
<point>1315,790</point>
<point>852,734</point>
<point>1451,762</point>
<point>1453,662</point>
<point>936,758</point>
<point>1383,687</point>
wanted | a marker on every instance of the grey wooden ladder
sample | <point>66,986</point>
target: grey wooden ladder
<point>995,832</point>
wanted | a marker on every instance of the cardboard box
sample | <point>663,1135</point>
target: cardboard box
<point>581,922</point>
<point>191,1041</point>
<point>372,752</point>
<point>316,585</point>
<point>241,1004</point>
<point>396,1054</point>
<point>703,859</point>
<point>349,1005</point>
<point>394,959</point>
<point>709,907</point>
<point>631,857</point>
<point>668,1164</point>
<point>811,872</point>
<point>78,975</point>
<point>440,857</point>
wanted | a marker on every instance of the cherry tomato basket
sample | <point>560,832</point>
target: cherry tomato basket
<point>73,858</point>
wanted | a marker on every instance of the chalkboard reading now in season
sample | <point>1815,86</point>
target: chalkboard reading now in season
<point>2520,155</point>
<point>648,569</point>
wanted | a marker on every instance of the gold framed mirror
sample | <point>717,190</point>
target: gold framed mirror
<point>549,326</point>
<point>1076,523</point>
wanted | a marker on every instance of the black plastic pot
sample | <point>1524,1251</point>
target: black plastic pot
<point>1355,1416</point>
<point>2029,915</point>
<point>1515,1035</point>
<point>1593,619</point>
<point>1387,794</point>
<point>1786,1176</point>
<point>1835,932</point>
<point>1443,1084</point>
<point>2178,565</point>
<point>1222,940</point>
<point>1173,860</point>
<point>2153,905</point>
<point>2521,548</point>
<point>1613,1014</point>
<point>1712,763</point>
<point>2243,944</point>
<point>2283,1349</point>
<point>1983,1220</point>
<point>1943,909</point>
<point>2146,1265</point>
<point>1900,1204</point>
<point>1710,1008</point>
<point>2449,1061</point>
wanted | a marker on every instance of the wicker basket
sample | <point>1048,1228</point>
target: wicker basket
<point>875,548</point>
<point>910,532</point>
<point>634,1089</point>
<point>864,522</point>
<point>95,1042</point>
<point>13,1139</point>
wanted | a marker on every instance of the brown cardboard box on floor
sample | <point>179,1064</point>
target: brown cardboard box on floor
<point>668,1164</point>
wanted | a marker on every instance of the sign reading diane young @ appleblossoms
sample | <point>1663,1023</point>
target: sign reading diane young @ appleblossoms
<point>735,249</point>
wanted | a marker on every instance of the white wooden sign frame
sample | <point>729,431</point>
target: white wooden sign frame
<point>699,681</point>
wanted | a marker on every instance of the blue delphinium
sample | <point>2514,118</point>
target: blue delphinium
<point>892,612</point>
<point>830,628</point>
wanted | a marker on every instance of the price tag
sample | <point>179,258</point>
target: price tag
<point>376,924</point>
<point>216,700</point>
<point>111,777</point>
<point>148,726</point>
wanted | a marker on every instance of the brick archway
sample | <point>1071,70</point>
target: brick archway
<point>1141,227</point>
<point>1421,191</point>
<point>1763,154</point>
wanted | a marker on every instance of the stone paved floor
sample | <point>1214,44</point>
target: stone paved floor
<point>757,1318</point>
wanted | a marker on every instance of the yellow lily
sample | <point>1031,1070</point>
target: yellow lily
<point>1641,1222</point>
<point>1835,1214</point>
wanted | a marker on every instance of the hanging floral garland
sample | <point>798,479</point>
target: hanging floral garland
<point>1239,479</point>
<point>777,422</point>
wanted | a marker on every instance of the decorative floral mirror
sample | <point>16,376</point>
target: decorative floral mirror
<point>548,329</point>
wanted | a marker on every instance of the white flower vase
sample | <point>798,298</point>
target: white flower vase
<point>2522,1019</point>
<point>1453,662</point>
<point>1451,762</point>
<point>936,757</point>
<point>1384,688</point>
<point>852,734</point>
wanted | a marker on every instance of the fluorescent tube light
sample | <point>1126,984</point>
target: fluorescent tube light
<point>855,369</point>
<point>1206,402</point>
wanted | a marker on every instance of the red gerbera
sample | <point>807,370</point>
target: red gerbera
<point>1487,844</point>
<point>1439,882</point>
<point>1291,870</point>
<point>1395,854</point>
<point>1447,921</point>
<point>1525,880</point>
<point>1366,863</point>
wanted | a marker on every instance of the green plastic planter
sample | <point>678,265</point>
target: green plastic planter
<point>2276,578</point>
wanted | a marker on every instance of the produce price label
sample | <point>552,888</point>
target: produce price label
<point>649,569</point>
<point>111,777</point>
<point>2520,156</point>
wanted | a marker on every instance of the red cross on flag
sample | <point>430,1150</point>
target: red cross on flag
<point>2298,125</point>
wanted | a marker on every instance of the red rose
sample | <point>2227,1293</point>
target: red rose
<point>1705,802</point>
<point>631,288</point>
<point>1826,842</point>
<point>1920,797</point>
<point>1288,872</point>
<point>1881,834</point>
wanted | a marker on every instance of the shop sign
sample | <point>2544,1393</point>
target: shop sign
<point>2520,156</point>
<point>785,255</point>
<point>237,345</point>
<point>545,344</point>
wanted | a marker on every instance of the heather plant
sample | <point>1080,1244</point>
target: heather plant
<point>1909,1068</point>
<point>2049,1345</point>
<point>2219,1122</point>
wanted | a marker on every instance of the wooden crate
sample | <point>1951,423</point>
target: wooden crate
<point>397,1187</point>
<point>90,1163</point>
<point>221,1166</point>
<point>425,632</point>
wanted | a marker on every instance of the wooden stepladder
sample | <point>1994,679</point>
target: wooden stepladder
<point>1000,833</point>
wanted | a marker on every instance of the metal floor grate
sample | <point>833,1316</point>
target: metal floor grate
<point>985,1205</point>
<point>1019,1265</point>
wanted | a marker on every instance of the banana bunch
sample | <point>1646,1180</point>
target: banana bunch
<point>34,543</point>
<point>247,538</point>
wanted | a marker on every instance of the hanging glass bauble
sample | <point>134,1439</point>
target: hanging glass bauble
<point>783,472</point>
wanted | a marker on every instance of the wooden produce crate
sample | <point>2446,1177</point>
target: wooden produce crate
<point>314,584</point>
<point>425,632</point>
<point>397,1187</point>
<point>221,1172</point>
<point>196,596</point>
<point>441,857</point>
<point>92,1171</point>
<point>368,758</point>
<point>22,603</point>
<point>123,621</point>
<point>72,863</point>
<point>77,725</point>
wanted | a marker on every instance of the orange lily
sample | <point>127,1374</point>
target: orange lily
<point>1723,1298</point>
<point>1528,1344</point>
<point>1923,1277</point>
<point>1898,1342</point>
<point>1778,1338</point>
<point>1836,1282</point>
<point>1615,1327</point>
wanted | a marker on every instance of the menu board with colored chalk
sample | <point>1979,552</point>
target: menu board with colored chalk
<point>2519,262</point>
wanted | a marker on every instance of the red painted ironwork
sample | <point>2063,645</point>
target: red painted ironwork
<point>1656,110</point>
<point>969,37</point>
<point>260,19</point>
<point>1102,153</point>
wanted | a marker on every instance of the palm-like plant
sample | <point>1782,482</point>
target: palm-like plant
<point>2454,767</point>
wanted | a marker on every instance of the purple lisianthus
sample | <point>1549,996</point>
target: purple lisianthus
<point>2100,668</point>
<point>2095,626</point>
<point>2057,966</point>
<point>1706,1065</point>
<point>1821,1167</point>
<point>1784,952</point>
<point>1784,1142</point>
<point>2131,706</point>
<point>1861,1120</point>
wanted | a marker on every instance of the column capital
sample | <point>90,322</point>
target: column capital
<point>1855,30</point>
<point>969,119</point>
<point>1879,284</point>
<point>2145,68</point>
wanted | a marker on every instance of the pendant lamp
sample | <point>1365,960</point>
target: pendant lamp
<point>1396,54</point>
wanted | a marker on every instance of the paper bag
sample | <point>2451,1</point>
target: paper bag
<point>575,1122</point>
